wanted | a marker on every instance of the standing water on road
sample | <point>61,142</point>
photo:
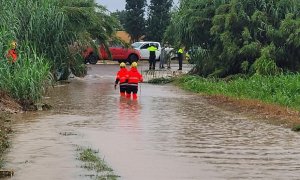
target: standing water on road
<point>166,134</point>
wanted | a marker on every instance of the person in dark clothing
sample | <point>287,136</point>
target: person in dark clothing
<point>163,56</point>
<point>152,58</point>
<point>180,57</point>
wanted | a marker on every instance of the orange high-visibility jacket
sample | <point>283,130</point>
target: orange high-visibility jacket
<point>12,54</point>
<point>134,77</point>
<point>122,76</point>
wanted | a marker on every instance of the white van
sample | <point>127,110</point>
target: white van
<point>142,48</point>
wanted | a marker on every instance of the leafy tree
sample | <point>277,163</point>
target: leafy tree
<point>191,23</point>
<point>121,17</point>
<point>245,29</point>
<point>86,17</point>
<point>135,21</point>
<point>158,19</point>
<point>86,21</point>
<point>234,34</point>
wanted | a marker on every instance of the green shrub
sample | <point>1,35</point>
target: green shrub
<point>296,128</point>
<point>265,65</point>
<point>245,66</point>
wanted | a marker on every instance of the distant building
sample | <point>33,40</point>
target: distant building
<point>123,35</point>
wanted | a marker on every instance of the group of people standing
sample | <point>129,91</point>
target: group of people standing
<point>165,56</point>
<point>128,80</point>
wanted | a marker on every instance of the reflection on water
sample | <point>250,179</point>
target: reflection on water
<point>165,134</point>
<point>129,113</point>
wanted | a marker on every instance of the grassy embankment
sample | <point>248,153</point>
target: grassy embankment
<point>281,90</point>
<point>26,80</point>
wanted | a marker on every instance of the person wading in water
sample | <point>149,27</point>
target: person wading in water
<point>134,78</point>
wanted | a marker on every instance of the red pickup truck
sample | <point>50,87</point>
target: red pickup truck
<point>118,53</point>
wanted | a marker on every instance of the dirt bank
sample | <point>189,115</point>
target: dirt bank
<point>5,129</point>
<point>256,109</point>
<point>8,106</point>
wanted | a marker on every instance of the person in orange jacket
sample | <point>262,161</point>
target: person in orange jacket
<point>122,77</point>
<point>134,77</point>
<point>12,55</point>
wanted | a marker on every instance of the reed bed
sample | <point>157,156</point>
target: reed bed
<point>283,90</point>
<point>39,27</point>
<point>25,80</point>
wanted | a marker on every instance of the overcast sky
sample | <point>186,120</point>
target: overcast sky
<point>113,5</point>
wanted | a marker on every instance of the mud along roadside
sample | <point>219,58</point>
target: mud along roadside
<point>8,106</point>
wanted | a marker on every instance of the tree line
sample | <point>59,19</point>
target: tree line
<point>238,36</point>
<point>139,22</point>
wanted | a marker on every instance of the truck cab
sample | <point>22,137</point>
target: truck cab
<point>142,47</point>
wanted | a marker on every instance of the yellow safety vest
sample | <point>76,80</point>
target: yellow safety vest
<point>180,51</point>
<point>152,48</point>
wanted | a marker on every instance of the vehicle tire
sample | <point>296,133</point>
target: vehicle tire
<point>133,58</point>
<point>93,59</point>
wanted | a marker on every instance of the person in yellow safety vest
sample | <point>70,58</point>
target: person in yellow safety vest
<point>180,57</point>
<point>152,49</point>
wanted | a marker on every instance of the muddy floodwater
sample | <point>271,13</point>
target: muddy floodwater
<point>167,134</point>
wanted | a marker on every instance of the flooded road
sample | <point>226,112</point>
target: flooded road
<point>166,134</point>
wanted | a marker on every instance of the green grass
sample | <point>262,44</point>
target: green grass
<point>282,90</point>
<point>296,128</point>
<point>93,163</point>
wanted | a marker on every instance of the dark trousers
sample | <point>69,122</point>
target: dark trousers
<point>132,89</point>
<point>180,58</point>
<point>152,62</point>
<point>123,88</point>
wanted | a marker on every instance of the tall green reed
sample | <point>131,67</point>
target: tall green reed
<point>27,79</point>
<point>41,24</point>
<point>39,29</point>
<point>281,89</point>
